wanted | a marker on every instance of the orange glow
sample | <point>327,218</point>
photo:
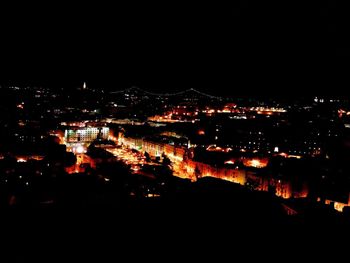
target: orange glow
<point>37,158</point>
<point>24,159</point>
<point>283,155</point>
<point>213,148</point>
<point>112,138</point>
<point>77,167</point>
<point>339,206</point>
<point>255,163</point>
<point>201,132</point>
<point>192,170</point>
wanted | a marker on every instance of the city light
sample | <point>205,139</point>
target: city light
<point>201,132</point>
<point>80,149</point>
<point>256,163</point>
<point>143,145</point>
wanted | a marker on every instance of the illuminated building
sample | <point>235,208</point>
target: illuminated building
<point>156,149</point>
<point>86,135</point>
<point>190,169</point>
<point>339,206</point>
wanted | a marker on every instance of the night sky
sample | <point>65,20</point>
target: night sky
<point>274,47</point>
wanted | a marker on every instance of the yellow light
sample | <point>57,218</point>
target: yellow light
<point>80,149</point>
<point>255,163</point>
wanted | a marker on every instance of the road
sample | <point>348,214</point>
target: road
<point>135,159</point>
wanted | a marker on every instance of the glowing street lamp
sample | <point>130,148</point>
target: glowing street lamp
<point>80,149</point>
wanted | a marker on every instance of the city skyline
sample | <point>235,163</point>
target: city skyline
<point>294,151</point>
<point>215,90</point>
<point>213,48</point>
<point>166,128</point>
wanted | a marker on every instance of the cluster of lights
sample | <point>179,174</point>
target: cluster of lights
<point>256,163</point>
<point>214,148</point>
<point>80,149</point>
<point>164,94</point>
<point>20,106</point>
<point>266,110</point>
<point>210,111</point>
<point>134,159</point>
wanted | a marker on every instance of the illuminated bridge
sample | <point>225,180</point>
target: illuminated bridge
<point>188,92</point>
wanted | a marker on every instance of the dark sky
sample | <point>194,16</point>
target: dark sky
<point>220,48</point>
